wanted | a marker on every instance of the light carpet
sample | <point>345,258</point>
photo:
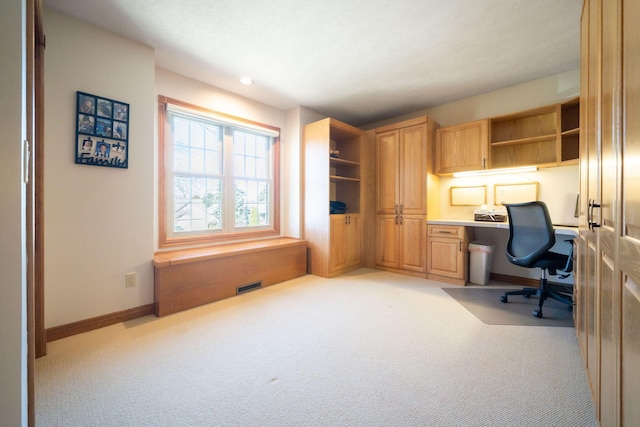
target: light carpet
<point>369,348</point>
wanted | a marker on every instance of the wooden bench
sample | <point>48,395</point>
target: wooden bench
<point>188,278</point>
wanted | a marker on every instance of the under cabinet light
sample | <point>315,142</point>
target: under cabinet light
<point>495,171</point>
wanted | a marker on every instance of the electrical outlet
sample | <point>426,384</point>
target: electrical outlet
<point>130,279</point>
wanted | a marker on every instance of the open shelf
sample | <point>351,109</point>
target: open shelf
<point>545,136</point>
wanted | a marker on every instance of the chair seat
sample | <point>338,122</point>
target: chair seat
<point>551,261</point>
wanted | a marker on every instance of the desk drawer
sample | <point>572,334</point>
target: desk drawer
<point>452,231</point>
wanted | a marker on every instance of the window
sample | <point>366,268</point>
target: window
<point>219,176</point>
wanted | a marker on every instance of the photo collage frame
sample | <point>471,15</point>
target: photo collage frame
<point>102,131</point>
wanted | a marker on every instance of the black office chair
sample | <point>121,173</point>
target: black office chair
<point>531,237</point>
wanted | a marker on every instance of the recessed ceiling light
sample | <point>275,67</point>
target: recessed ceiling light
<point>247,81</point>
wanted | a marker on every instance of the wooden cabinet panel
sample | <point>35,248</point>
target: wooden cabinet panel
<point>630,353</point>
<point>402,170</point>
<point>462,147</point>
<point>608,272</point>
<point>387,250</point>
<point>332,152</point>
<point>447,254</point>
<point>344,242</point>
<point>387,164</point>
<point>628,235</point>
<point>413,236</point>
<point>412,171</point>
<point>445,259</point>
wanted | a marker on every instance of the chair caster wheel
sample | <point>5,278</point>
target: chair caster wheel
<point>527,296</point>
<point>503,298</point>
<point>537,313</point>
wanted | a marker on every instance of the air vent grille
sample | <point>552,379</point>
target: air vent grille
<point>249,287</point>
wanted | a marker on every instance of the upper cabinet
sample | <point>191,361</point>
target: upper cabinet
<point>462,147</point>
<point>545,136</point>
<point>570,132</point>
<point>526,138</point>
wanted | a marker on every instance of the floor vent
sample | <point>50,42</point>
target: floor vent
<point>249,287</point>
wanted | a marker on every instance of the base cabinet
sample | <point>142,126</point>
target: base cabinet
<point>448,257</point>
<point>344,243</point>
<point>401,243</point>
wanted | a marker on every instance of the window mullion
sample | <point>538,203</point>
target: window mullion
<point>229,206</point>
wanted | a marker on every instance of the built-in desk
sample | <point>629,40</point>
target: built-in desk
<point>498,234</point>
<point>560,229</point>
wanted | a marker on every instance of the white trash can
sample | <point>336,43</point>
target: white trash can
<point>480,257</point>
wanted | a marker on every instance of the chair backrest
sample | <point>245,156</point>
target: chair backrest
<point>531,232</point>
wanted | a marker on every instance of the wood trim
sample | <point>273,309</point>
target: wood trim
<point>450,280</point>
<point>165,259</point>
<point>63,331</point>
<point>187,279</point>
<point>515,280</point>
<point>36,335</point>
<point>163,240</point>
<point>29,203</point>
<point>403,124</point>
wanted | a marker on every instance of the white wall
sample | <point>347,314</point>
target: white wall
<point>536,93</point>
<point>297,119</point>
<point>13,344</point>
<point>98,220</point>
<point>184,89</point>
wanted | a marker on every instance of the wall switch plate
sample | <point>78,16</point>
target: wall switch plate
<point>130,279</point>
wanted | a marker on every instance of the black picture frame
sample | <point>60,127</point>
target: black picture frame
<point>102,131</point>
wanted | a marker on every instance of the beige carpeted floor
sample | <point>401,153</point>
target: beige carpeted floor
<point>369,348</point>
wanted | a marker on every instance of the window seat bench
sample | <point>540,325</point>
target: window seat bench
<point>191,277</point>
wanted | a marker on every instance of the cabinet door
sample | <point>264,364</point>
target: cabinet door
<point>354,237</point>
<point>345,242</point>
<point>629,231</point>
<point>338,243</point>
<point>387,172</point>
<point>387,241</point>
<point>413,170</point>
<point>462,147</point>
<point>413,236</point>
<point>445,257</point>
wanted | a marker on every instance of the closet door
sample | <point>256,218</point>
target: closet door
<point>609,224</point>
<point>629,239</point>
<point>388,163</point>
<point>590,193</point>
<point>413,170</point>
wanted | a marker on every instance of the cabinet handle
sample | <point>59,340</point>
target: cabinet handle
<point>396,219</point>
<point>460,242</point>
<point>395,210</point>
<point>592,223</point>
<point>484,163</point>
<point>401,208</point>
<point>401,219</point>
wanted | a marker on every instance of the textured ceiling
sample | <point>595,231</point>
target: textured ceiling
<point>357,60</point>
